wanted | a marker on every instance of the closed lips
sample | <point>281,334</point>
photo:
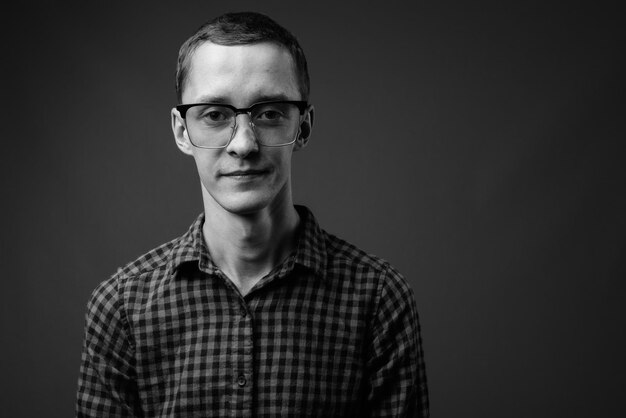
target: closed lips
<point>245,173</point>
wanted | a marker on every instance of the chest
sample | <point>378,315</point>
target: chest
<point>292,347</point>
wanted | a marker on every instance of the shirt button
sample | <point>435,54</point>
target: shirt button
<point>243,313</point>
<point>241,380</point>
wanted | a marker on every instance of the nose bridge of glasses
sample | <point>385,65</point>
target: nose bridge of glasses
<point>235,126</point>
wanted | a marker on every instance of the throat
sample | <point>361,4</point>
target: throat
<point>247,248</point>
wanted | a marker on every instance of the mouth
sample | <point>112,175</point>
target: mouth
<point>245,174</point>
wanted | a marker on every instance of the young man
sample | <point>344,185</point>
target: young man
<point>255,311</point>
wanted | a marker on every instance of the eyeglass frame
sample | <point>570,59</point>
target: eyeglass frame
<point>183,108</point>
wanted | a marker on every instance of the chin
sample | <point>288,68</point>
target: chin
<point>246,200</point>
<point>244,204</point>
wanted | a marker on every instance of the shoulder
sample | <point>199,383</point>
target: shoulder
<point>133,279</point>
<point>362,268</point>
<point>154,261</point>
<point>342,253</point>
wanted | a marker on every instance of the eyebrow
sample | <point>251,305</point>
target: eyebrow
<point>211,99</point>
<point>257,99</point>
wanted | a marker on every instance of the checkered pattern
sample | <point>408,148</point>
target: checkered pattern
<point>330,332</point>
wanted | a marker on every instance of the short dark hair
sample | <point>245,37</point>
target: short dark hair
<point>241,29</point>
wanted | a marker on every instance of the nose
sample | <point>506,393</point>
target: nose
<point>244,140</point>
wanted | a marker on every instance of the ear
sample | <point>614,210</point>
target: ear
<point>181,136</point>
<point>306,128</point>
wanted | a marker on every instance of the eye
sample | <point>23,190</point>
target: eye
<point>210,114</point>
<point>214,115</point>
<point>271,114</point>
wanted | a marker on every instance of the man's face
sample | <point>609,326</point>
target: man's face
<point>244,177</point>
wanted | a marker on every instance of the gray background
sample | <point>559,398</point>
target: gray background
<point>479,149</point>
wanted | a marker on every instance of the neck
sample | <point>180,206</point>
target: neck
<point>247,247</point>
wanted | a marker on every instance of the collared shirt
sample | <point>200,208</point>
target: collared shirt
<point>329,332</point>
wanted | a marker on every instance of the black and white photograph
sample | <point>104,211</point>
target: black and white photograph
<point>342,209</point>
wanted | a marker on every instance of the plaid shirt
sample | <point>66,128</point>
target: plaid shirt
<point>330,332</point>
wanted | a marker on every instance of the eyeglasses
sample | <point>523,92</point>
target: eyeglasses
<point>213,125</point>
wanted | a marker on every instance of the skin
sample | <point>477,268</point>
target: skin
<point>246,188</point>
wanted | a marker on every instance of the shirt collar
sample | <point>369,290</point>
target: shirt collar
<point>311,246</point>
<point>191,247</point>
<point>310,249</point>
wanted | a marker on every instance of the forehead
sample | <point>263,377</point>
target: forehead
<point>240,74</point>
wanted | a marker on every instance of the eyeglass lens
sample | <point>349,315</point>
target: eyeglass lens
<point>213,125</point>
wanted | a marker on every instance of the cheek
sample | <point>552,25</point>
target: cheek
<point>283,169</point>
<point>283,159</point>
<point>205,167</point>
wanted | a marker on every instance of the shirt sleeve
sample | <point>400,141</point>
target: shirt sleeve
<point>395,363</point>
<point>107,382</point>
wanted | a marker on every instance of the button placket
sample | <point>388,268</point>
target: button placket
<point>242,361</point>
